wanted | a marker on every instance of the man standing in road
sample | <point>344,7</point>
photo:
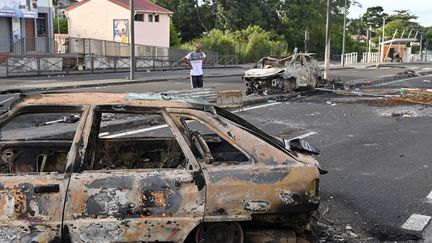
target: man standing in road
<point>195,60</point>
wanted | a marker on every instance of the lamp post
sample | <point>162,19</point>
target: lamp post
<point>382,40</point>
<point>327,44</point>
<point>132,39</point>
<point>343,35</point>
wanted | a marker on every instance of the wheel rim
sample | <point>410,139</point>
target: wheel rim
<point>230,232</point>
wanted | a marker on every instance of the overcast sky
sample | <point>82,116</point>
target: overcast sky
<point>421,8</point>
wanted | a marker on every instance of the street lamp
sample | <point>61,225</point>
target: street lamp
<point>343,35</point>
<point>132,39</point>
<point>327,44</point>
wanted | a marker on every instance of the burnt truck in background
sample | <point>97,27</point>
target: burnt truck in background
<point>274,76</point>
<point>98,167</point>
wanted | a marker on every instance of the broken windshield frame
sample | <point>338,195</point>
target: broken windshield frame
<point>252,129</point>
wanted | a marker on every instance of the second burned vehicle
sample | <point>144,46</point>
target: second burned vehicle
<point>271,76</point>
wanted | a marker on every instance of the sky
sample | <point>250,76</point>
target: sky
<point>421,8</point>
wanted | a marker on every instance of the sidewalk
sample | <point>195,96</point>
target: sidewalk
<point>353,76</point>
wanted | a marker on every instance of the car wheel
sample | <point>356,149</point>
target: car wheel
<point>227,232</point>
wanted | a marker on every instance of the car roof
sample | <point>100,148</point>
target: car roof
<point>126,99</point>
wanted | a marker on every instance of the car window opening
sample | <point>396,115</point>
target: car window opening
<point>136,141</point>
<point>37,142</point>
<point>214,149</point>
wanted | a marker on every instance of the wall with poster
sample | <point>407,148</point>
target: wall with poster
<point>18,8</point>
<point>121,30</point>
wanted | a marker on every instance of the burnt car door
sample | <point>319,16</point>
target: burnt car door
<point>37,152</point>
<point>139,181</point>
<point>246,175</point>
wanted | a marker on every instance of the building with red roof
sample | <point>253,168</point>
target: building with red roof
<point>109,20</point>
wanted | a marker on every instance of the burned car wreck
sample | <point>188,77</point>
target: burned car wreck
<point>272,76</point>
<point>141,167</point>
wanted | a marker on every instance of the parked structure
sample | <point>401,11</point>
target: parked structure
<point>25,26</point>
<point>109,20</point>
<point>398,50</point>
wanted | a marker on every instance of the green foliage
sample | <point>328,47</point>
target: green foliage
<point>175,39</point>
<point>250,44</point>
<point>374,16</point>
<point>63,25</point>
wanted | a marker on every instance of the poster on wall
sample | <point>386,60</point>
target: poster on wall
<point>16,30</point>
<point>121,30</point>
<point>18,8</point>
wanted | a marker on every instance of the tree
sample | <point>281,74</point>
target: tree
<point>175,39</point>
<point>374,16</point>
<point>62,22</point>
<point>404,15</point>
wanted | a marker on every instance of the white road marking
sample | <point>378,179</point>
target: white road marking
<point>6,100</point>
<point>416,222</point>
<point>429,196</point>
<point>305,135</point>
<point>134,131</point>
<point>398,81</point>
<point>116,135</point>
<point>257,107</point>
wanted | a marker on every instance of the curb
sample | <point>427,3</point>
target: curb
<point>114,83</point>
<point>101,71</point>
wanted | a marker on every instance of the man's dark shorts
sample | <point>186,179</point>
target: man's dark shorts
<point>197,81</point>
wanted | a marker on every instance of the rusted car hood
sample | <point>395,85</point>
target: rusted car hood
<point>262,72</point>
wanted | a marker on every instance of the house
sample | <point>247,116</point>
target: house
<point>25,26</point>
<point>109,20</point>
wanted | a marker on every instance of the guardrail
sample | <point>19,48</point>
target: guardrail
<point>351,58</point>
<point>371,57</point>
<point>74,64</point>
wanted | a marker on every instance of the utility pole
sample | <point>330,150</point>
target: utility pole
<point>306,38</point>
<point>327,44</point>
<point>343,35</point>
<point>132,39</point>
<point>421,47</point>
<point>369,44</point>
<point>382,40</point>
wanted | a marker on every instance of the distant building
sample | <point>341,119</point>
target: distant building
<point>109,20</point>
<point>25,25</point>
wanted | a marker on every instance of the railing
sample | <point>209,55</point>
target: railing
<point>73,64</point>
<point>351,58</point>
<point>371,57</point>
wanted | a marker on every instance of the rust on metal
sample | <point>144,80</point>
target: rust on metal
<point>233,180</point>
<point>273,75</point>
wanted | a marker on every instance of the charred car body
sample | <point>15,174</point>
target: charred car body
<point>271,76</point>
<point>139,168</point>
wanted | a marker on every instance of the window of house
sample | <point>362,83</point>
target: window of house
<point>215,149</point>
<point>37,142</point>
<point>156,17</point>
<point>136,141</point>
<point>139,17</point>
<point>41,25</point>
<point>150,18</point>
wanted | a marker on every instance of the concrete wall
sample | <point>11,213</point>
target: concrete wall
<point>94,19</point>
<point>153,33</point>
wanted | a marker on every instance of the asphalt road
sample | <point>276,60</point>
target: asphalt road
<point>422,82</point>
<point>380,169</point>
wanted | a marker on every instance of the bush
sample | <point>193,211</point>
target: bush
<point>249,44</point>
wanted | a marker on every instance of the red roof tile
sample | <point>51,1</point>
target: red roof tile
<point>143,5</point>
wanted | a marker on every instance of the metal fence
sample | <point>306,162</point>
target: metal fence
<point>67,64</point>
<point>94,47</point>
<point>39,56</point>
